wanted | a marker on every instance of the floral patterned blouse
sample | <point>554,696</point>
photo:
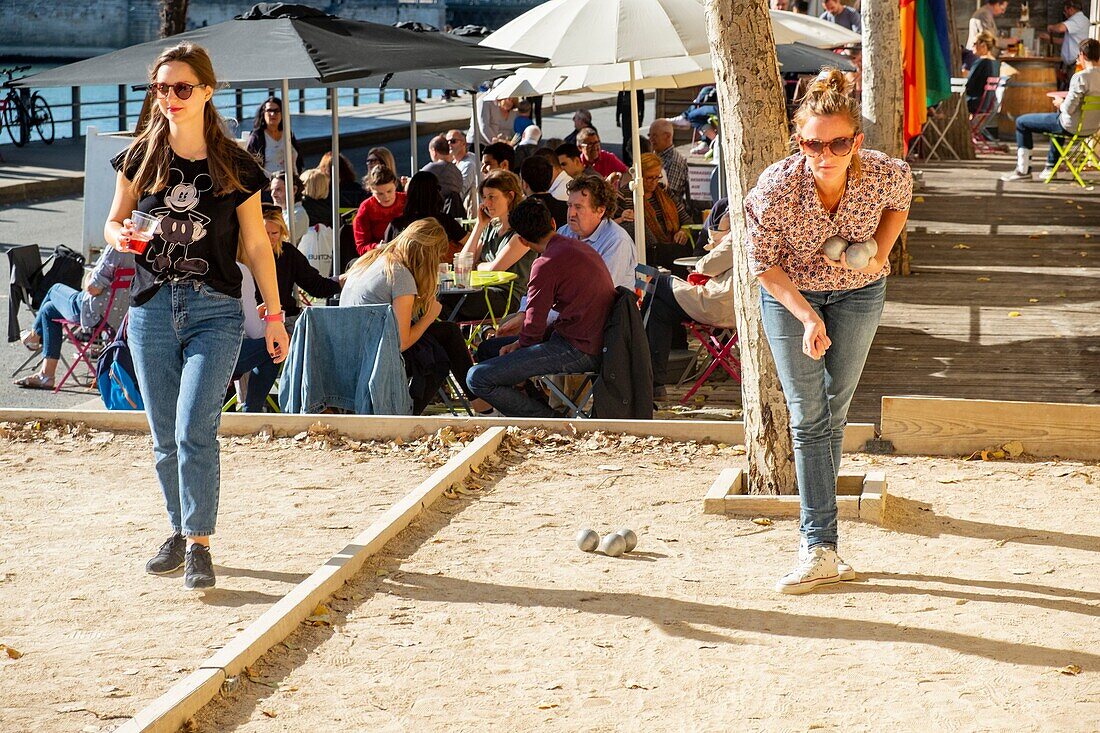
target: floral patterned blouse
<point>787,223</point>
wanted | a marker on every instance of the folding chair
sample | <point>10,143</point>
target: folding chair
<point>988,107</point>
<point>1079,152</point>
<point>939,123</point>
<point>719,343</point>
<point>577,401</point>
<point>453,397</point>
<point>645,287</point>
<point>103,330</point>
<point>24,272</point>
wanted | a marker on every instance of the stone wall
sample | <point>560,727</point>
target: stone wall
<point>32,28</point>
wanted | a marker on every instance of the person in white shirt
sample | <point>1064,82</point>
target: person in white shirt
<point>1066,121</point>
<point>496,120</point>
<point>1074,29</point>
<point>278,195</point>
<point>468,165</point>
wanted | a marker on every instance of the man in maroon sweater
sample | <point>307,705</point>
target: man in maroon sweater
<point>570,278</point>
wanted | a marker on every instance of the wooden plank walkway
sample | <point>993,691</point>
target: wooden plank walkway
<point>1003,302</point>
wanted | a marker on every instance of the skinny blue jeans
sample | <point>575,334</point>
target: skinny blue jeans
<point>185,342</point>
<point>818,393</point>
<point>61,302</point>
<point>1044,122</point>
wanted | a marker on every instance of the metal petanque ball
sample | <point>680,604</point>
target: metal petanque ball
<point>630,538</point>
<point>588,540</point>
<point>858,255</point>
<point>834,247</point>
<point>613,545</point>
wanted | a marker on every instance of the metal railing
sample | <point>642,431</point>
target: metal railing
<point>114,109</point>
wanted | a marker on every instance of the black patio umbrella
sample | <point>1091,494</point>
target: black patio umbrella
<point>798,58</point>
<point>291,43</point>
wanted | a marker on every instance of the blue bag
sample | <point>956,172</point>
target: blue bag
<point>115,375</point>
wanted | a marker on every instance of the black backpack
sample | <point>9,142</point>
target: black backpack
<point>64,266</point>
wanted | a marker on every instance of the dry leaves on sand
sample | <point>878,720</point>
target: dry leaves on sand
<point>12,653</point>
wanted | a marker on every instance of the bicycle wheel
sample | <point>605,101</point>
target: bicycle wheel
<point>42,118</point>
<point>11,118</point>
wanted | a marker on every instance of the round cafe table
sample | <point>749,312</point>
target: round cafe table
<point>688,262</point>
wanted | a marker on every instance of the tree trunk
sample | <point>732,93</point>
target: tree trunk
<point>754,135</point>
<point>883,96</point>
<point>173,17</point>
<point>959,132</point>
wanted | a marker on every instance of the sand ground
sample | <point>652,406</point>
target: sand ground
<point>976,609</point>
<point>81,512</point>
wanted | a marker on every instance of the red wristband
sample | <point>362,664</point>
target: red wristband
<point>276,318</point>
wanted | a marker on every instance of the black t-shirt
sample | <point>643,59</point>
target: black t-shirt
<point>198,232</point>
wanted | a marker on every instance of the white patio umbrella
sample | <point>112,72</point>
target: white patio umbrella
<point>594,32</point>
<point>512,86</point>
<point>790,27</point>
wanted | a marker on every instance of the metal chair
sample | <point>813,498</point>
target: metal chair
<point>102,334</point>
<point>989,106</point>
<point>719,344</point>
<point>1080,151</point>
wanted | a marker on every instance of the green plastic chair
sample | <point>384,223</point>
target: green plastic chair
<point>1078,151</point>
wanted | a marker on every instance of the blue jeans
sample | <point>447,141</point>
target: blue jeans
<point>1027,125</point>
<point>185,342</point>
<point>819,392</point>
<point>61,302</point>
<point>262,373</point>
<point>494,380</point>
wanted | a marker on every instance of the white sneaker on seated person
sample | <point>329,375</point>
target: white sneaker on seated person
<point>1016,175</point>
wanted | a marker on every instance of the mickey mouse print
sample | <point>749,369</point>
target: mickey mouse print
<point>181,226</point>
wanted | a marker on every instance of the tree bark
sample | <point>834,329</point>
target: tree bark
<point>883,93</point>
<point>173,17</point>
<point>958,134</point>
<point>754,135</point>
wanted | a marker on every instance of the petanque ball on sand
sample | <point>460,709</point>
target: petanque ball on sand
<point>630,538</point>
<point>588,540</point>
<point>613,545</point>
<point>834,247</point>
<point>858,255</point>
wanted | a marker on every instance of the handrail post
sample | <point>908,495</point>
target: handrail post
<point>122,108</point>
<point>76,112</point>
<point>238,104</point>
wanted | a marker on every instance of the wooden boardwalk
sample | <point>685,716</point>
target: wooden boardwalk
<point>1003,301</point>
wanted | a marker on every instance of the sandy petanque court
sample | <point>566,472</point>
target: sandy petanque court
<point>976,609</point>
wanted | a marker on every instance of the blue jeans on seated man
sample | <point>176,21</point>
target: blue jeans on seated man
<point>1044,122</point>
<point>262,373</point>
<point>185,341</point>
<point>819,392</point>
<point>495,380</point>
<point>61,302</point>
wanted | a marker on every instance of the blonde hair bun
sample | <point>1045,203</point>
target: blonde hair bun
<point>830,80</point>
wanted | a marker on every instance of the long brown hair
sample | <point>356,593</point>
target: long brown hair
<point>420,248</point>
<point>151,154</point>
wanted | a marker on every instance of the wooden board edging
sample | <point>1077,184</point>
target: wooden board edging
<point>388,427</point>
<point>943,427</point>
<point>172,709</point>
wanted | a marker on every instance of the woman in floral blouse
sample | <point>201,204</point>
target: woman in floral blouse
<point>820,316</point>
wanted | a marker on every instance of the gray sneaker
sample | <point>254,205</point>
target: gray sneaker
<point>169,557</point>
<point>199,571</point>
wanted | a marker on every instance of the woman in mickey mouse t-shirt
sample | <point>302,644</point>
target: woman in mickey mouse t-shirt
<point>185,314</point>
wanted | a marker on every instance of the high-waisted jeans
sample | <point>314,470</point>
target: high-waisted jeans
<point>819,392</point>
<point>185,342</point>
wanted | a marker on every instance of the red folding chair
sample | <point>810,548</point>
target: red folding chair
<point>719,343</point>
<point>988,106</point>
<point>123,277</point>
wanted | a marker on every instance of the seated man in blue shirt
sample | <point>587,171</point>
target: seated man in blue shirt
<point>836,12</point>
<point>569,278</point>
<point>592,201</point>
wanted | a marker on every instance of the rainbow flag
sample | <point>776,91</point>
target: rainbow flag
<point>926,57</point>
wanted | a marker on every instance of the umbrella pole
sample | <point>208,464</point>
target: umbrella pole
<point>476,128</point>
<point>639,193</point>
<point>412,134</point>
<point>334,176</point>
<point>288,162</point>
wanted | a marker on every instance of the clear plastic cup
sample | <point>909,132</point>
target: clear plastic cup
<point>144,226</point>
<point>463,265</point>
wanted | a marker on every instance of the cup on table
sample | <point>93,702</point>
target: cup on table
<point>445,277</point>
<point>144,226</point>
<point>464,264</point>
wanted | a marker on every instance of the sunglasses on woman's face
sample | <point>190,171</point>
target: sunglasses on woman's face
<point>839,147</point>
<point>273,111</point>
<point>373,161</point>
<point>181,88</point>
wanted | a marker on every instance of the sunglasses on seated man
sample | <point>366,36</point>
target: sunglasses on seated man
<point>839,147</point>
<point>181,88</point>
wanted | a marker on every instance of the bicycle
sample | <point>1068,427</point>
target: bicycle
<point>21,110</point>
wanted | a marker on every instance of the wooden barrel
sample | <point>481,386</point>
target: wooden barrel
<point>1029,81</point>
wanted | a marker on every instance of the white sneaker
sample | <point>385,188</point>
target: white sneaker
<point>818,568</point>
<point>1016,175</point>
<point>843,569</point>
<point>1046,174</point>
